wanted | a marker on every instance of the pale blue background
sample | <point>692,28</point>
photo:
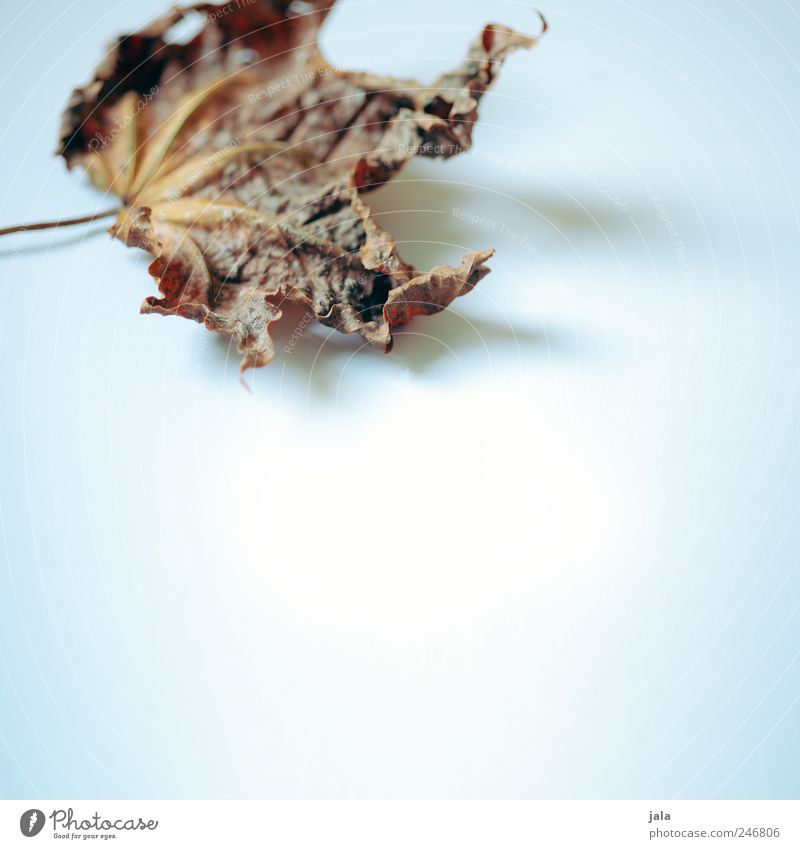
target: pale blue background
<point>548,548</point>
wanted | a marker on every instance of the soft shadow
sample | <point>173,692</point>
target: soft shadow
<point>307,354</point>
<point>315,358</point>
<point>451,333</point>
<point>434,219</point>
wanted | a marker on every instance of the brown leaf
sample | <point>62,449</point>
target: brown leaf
<point>242,159</point>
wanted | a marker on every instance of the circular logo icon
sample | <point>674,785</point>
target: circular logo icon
<point>31,822</point>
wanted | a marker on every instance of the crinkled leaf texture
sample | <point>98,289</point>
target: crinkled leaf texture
<point>242,159</point>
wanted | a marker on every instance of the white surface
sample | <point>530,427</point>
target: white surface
<point>546,548</point>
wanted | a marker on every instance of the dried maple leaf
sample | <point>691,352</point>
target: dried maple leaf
<point>241,158</point>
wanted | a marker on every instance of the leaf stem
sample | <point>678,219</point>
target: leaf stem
<point>63,222</point>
